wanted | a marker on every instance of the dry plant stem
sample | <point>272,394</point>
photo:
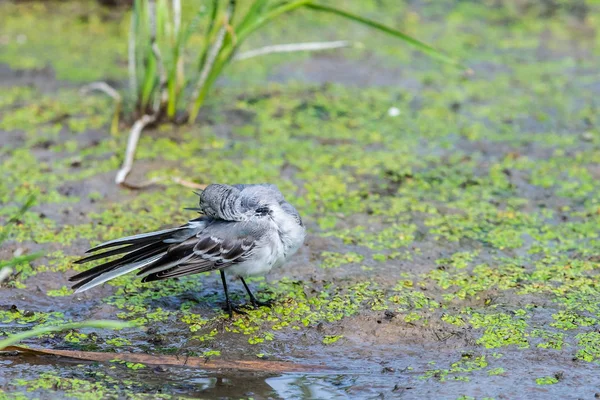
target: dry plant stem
<point>102,87</point>
<point>109,90</point>
<point>162,179</point>
<point>134,137</point>
<point>188,184</point>
<point>292,47</point>
<point>143,185</point>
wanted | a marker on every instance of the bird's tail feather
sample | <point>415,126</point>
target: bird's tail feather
<point>150,250</point>
<point>125,249</point>
<point>141,238</point>
<point>145,250</point>
<point>104,277</point>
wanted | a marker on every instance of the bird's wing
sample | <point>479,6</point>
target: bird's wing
<point>218,246</point>
<point>140,251</point>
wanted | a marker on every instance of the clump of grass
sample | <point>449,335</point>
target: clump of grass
<point>164,87</point>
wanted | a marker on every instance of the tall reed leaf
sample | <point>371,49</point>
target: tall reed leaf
<point>425,48</point>
<point>42,330</point>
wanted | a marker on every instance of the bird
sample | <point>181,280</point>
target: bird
<point>243,230</point>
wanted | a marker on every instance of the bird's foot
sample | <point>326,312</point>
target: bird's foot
<point>230,308</point>
<point>257,303</point>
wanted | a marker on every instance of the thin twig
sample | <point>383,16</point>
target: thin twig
<point>102,87</point>
<point>292,47</point>
<point>143,185</point>
<point>132,142</point>
<point>109,90</point>
<point>212,56</point>
<point>188,184</point>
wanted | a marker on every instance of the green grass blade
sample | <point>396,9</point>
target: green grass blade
<point>172,90</point>
<point>131,53</point>
<point>163,20</point>
<point>176,83</point>
<point>208,35</point>
<point>255,10</point>
<point>140,12</point>
<point>192,26</point>
<point>423,47</point>
<point>261,19</point>
<point>18,260</point>
<point>29,202</point>
<point>149,85</point>
<point>99,324</point>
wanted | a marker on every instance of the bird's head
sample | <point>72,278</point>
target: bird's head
<point>240,202</point>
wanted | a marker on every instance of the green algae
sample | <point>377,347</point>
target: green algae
<point>336,260</point>
<point>589,344</point>
<point>501,329</point>
<point>501,229</point>
<point>546,380</point>
<point>330,339</point>
<point>496,371</point>
<point>458,370</point>
<point>75,387</point>
<point>478,202</point>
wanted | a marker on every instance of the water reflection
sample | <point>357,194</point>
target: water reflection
<point>186,382</point>
<point>289,386</point>
<point>305,387</point>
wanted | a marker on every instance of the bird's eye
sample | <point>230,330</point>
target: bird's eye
<point>262,211</point>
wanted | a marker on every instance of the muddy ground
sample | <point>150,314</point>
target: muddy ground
<point>453,249</point>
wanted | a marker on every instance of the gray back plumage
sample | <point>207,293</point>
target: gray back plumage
<point>221,202</point>
<point>238,202</point>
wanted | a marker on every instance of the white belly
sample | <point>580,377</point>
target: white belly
<point>271,254</point>
<point>285,239</point>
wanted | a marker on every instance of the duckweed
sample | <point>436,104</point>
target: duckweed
<point>478,204</point>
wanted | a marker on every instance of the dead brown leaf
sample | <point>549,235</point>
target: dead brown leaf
<point>181,361</point>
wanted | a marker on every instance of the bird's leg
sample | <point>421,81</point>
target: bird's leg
<point>256,303</point>
<point>230,307</point>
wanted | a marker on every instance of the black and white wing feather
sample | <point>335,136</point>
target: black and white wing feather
<point>208,251</point>
<point>204,244</point>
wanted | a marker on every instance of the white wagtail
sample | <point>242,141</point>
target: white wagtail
<point>245,230</point>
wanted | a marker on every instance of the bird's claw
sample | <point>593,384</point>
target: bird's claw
<point>230,308</point>
<point>257,303</point>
